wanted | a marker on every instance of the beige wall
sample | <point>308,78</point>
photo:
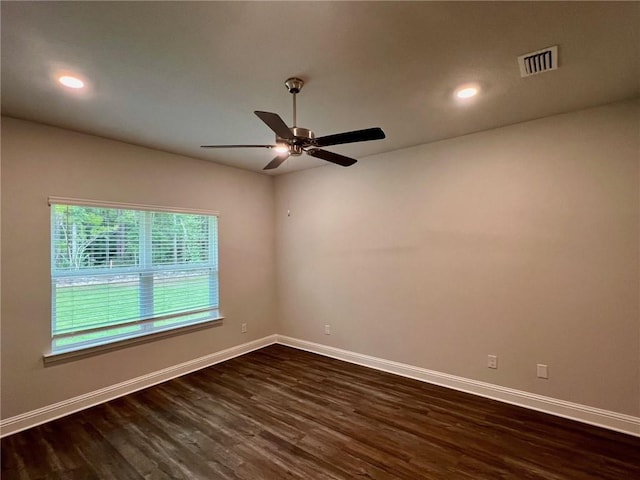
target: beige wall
<point>521,242</point>
<point>39,161</point>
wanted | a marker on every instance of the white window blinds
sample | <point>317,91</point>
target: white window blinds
<point>121,272</point>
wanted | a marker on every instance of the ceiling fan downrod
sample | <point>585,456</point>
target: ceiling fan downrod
<point>294,85</point>
<point>301,136</point>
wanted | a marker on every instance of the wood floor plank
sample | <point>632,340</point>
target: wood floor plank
<point>280,413</point>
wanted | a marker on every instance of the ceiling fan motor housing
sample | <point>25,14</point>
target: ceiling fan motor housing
<point>302,137</point>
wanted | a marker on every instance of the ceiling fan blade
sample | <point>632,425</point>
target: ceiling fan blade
<point>331,157</point>
<point>350,137</point>
<point>275,123</point>
<point>237,146</point>
<point>276,162</point>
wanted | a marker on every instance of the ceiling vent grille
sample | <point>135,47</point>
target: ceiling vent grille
<point>541,61</point>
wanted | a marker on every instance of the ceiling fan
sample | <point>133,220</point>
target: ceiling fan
<point>295,140</point>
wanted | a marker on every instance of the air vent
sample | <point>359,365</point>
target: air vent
<point>541,61</point>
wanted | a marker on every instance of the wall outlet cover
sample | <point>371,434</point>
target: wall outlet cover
<point>492,361</point>
<point>543,371</point>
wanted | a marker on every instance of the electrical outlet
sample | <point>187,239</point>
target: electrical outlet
<point>244,328</point>
<point>543,371</point>
<point>492,361</point>
<point>327,329</point>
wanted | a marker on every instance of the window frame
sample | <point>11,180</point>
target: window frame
<point>148,331</point>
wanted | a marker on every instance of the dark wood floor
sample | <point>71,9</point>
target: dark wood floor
<point>280,413</point>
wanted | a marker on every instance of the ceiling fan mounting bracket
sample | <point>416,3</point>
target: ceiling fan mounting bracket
<point>294,85</point>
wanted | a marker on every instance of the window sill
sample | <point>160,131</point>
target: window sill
<point>66,355</point>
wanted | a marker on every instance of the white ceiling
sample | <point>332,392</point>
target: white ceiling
<point>176,75</point>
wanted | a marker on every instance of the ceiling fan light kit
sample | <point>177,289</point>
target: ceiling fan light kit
<point>293,141</point>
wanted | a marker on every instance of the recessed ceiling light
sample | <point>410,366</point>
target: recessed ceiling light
<point>467,92</point>
<point>71,82</point>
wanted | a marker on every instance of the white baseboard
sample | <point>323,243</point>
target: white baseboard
<point>594,416</point>
<point>582,413</point>
<point>51,412</point>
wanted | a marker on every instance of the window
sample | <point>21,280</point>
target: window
<point>119,272</point>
